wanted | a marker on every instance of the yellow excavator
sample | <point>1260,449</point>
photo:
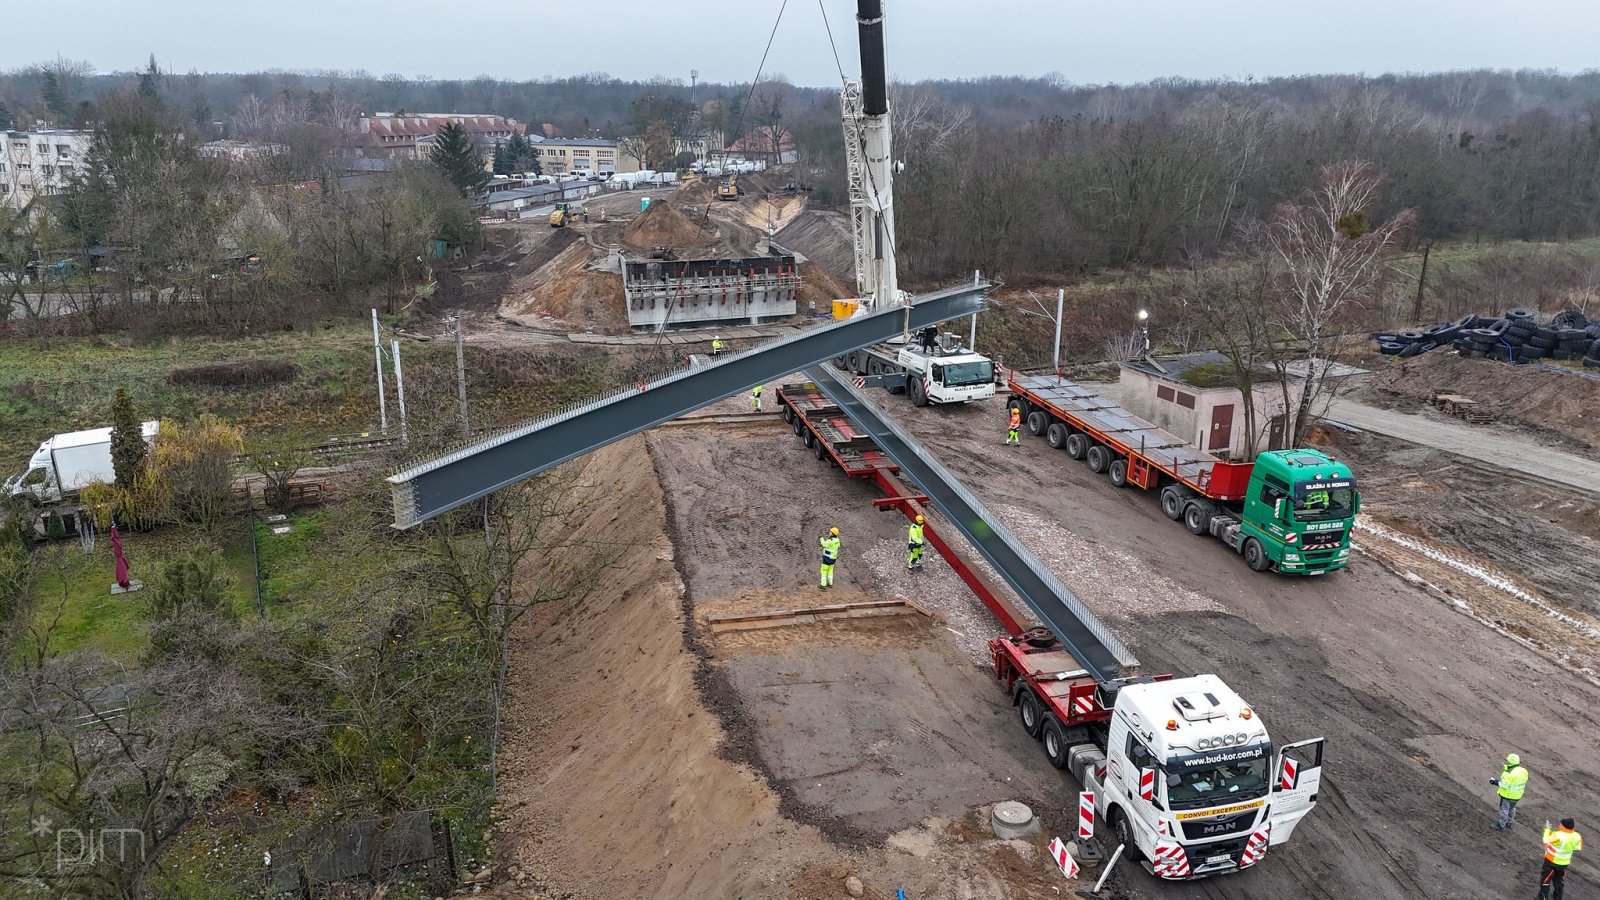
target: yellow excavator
<point>729,189</point>
<point>558,219</point>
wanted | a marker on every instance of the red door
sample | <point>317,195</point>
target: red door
<point>1221,428</point>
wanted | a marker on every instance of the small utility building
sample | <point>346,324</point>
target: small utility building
<point>1195,397</point>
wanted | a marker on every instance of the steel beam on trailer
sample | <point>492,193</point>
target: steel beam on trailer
<point>1090,641</point>
<point>438,486</point>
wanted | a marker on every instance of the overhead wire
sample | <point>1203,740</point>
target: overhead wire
<point>737,125</point>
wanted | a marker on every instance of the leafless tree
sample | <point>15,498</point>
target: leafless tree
<point>1327,261</point>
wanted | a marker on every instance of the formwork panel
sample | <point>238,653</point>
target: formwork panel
<point>685,292</point>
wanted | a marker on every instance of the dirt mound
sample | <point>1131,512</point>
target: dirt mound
<point>695,194</point>
<point>1552,404</point>
<point>824,238</point>
<point>821,288</point>
<point>564,288</point>
<point>662,225</point>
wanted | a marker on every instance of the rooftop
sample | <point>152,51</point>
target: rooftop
<point>1207,370</point>
<point>575,142</point>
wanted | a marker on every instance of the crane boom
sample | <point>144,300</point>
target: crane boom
<point>869,166</point>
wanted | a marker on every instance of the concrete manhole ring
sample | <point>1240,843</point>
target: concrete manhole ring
<point>1011,819</point>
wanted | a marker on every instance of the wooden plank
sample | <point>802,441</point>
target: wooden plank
<point>814,614</point>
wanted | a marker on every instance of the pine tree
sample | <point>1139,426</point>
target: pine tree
<point>501,163</point>
<point>521,155</point>
<point>5,117</point>
<point>127,440</point>
<point>460,161</point>
<point>53,97</point>
<point>150,81</point>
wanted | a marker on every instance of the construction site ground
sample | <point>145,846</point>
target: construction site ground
<point>646,757</point>
<point>536,284</point>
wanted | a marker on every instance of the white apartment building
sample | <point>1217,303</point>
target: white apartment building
<point>39,162</point>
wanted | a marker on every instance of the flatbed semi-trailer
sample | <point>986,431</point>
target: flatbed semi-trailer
<point>1289,510</point>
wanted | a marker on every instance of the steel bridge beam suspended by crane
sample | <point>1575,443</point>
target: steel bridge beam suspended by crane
<point>432,488</point>
<point>1091,642</point>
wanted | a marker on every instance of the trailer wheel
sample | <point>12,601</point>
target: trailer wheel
<point>1255,556</point>
<point>1056,435</point>
<point>819,450</point>
<point>1029,713</point>
<point>1171,503</point>
<point>1099,459</point>
<point>797,426</point>
<point>809,438</point>
<point>788,414</point>
<point>1055,746</point>
<point>1077,445</point>
<point>1037,422</point>
<point>1197,519</point>
<point>1118,471</point>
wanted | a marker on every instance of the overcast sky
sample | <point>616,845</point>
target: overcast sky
<point>1088,42</point>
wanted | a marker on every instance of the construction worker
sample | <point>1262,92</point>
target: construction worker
<point>1016,425</point>
<point>755,399</point>
<point>1316,500</point>
<point>830,558</point>
<point>1559,845</point>
<point>717,346</point>
<point>914,546</point>
<point>1512,782</point>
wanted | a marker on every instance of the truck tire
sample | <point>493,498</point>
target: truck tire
<point>919,396</point>
<point>1197,518</point>
<point>788,414</point>
<point>1030,713</point>
<point>1118,471</point>
<point>819,449</point>
<point>1019,405</point>
<point>1099,458</point>
<point>1056,435</point>
<point>1172,503</point>
<point>809,438</point>
<point>1255,556</point>
<point>1055,745</point>
<point>797,426</point>
<point>1077,444</point>
<point>1037,422</point>
<point>1124,832</point>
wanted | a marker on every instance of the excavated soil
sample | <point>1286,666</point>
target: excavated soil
<point>662,225</point>
<point>565,288</point>
<point>823,237</point>
<point>1555,407</point>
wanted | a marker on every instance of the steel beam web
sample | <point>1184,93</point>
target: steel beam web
<point>427,490</point>
<point>1091,642</point>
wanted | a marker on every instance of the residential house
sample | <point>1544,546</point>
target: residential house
<point>1195,397</point>
<point>40,162</point>
<point>773,146</point>
<point>408,135</point>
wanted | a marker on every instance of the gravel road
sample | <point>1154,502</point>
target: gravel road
<point>1483,442</point>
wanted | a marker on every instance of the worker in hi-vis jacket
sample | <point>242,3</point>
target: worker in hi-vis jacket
<point>830,558</point>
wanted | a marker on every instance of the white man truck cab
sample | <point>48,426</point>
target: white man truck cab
<point>1192,782</point>
<point>1184,773</point>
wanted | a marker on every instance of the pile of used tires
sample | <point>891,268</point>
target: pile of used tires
<point>1519,336</point>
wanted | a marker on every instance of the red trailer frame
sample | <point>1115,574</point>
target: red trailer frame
<point>832,436</point>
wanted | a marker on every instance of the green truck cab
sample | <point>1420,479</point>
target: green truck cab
<point>1297,514</point>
